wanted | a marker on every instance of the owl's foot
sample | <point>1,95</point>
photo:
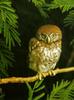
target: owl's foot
<point>41,75</point>
<point>51,72</point>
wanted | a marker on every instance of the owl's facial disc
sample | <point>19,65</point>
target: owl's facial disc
<point>49,37</point>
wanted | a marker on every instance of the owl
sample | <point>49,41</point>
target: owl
<point>45,49</point>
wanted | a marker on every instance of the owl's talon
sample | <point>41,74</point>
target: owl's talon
<point>41,75</point>
<point>52,73</point>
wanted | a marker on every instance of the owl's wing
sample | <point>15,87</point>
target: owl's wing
<point>33,44</point>
<point>33,57</point>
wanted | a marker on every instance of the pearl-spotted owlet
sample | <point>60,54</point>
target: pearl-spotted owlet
<point>45,49</point>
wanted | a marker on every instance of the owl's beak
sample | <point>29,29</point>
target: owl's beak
<point>48,40</point>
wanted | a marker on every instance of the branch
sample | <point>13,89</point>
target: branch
<point>33,78</point>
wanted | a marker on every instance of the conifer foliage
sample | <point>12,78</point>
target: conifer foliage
<point>8,33</point>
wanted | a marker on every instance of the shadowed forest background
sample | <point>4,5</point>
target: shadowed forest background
<point>31,15</point>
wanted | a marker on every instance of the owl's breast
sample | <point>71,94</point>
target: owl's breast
<point>48,54</point>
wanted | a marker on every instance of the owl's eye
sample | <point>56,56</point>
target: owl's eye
<point>53,37</point>
<point>45,38</point>
<point>42,37</point>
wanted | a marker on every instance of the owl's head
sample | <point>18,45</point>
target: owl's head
<point>49,33</point>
